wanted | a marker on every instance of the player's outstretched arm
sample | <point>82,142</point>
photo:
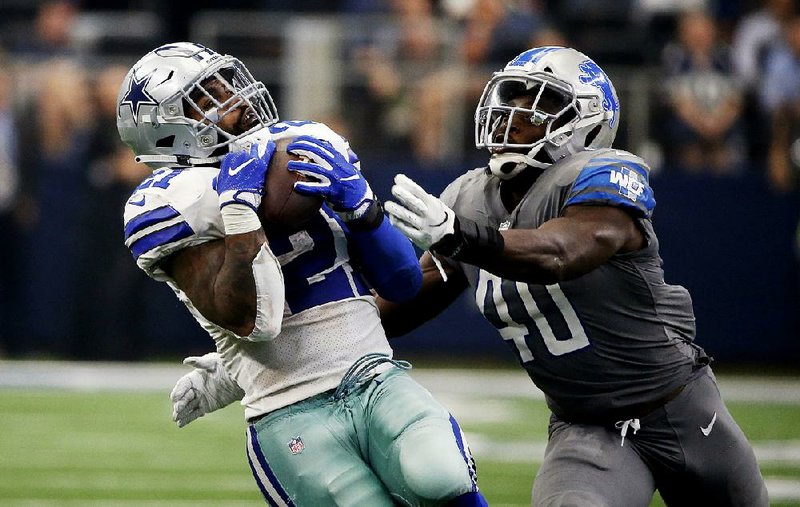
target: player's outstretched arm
<point>237,282</point>
<point>561,249</point>
<point>564,248</point>
<point>203,390</point>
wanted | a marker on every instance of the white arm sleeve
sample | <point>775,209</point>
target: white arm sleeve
<point>270,296</point>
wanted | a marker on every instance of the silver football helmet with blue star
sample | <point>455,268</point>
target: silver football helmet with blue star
<point>169,115</point>
<point>572,98</point>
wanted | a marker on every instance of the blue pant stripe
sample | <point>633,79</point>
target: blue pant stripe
<point>258,480</point>
<point>268,473</point>
<point>465,453</point>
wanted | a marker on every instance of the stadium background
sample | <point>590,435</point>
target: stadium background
<point>401,80</point>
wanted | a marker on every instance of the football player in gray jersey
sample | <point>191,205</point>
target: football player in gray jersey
<point>554,237</point>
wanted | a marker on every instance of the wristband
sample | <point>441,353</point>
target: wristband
<point>367,217</point>
<point>470,243</point>
<point>239,219</point>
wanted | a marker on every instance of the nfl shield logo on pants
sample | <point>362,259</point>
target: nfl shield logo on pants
<point>296,445</point>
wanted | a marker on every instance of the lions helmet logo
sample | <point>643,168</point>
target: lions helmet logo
<point>593,75</point>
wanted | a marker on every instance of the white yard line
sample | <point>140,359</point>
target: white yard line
<point>89,376</point>
<point>480,383</point>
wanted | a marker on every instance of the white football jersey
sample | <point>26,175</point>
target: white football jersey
<point>330,317</point>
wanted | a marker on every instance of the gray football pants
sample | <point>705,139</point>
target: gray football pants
<point>690,449</point>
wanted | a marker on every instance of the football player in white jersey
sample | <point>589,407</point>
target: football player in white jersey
<point>555,238</point>
<point>333,418</point>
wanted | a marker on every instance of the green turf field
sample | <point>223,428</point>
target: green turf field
<point>83,447</point>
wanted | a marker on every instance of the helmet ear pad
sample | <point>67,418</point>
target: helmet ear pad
<point>591,136</point>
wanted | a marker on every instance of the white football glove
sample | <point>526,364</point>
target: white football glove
<point>205,389</point>
<point>423,218</point>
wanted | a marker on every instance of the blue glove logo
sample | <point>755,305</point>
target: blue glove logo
<point>242,174</point>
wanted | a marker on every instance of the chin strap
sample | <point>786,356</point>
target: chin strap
<point>179,160</point>
<point>507,165</point>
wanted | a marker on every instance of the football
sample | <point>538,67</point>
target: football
<point>283,209</point>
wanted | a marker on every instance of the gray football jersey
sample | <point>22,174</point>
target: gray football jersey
<point>608,341</point>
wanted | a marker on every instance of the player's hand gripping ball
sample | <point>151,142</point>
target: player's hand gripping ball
<point>282,209</point>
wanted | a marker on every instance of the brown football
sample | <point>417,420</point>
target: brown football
<point>283,209</point>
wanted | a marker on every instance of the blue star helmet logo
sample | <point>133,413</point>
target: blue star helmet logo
<point>137,96</point>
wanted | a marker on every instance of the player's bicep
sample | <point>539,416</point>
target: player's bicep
<point>591,235</point>
<point>612,230</point>
<point>567,247</point>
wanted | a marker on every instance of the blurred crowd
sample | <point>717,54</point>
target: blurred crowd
<point>722,98</point>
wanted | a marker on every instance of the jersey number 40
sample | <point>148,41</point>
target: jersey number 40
<point>522,312</point>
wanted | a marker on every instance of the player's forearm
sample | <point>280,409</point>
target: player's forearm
<point>235,287</point>
<point>389,261</point>
<point>529,257</point>
<point>236,283</point>
<point>551,254</point>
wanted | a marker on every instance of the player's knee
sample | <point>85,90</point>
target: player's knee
<point>570,499</point>
<point>433,467</point>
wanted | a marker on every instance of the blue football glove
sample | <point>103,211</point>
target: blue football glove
<point>241,176</point>
<point>335,178</point>
<point>240,185</point>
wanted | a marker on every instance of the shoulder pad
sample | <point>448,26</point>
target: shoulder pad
<point>614,178</point>
<point>450,194</point>
<point>170,210</point>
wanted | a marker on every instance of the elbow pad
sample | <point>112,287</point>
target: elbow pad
<point>270,296</point>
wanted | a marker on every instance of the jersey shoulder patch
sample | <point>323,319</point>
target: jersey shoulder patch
<point>171,209</point>
<point>614,178</point>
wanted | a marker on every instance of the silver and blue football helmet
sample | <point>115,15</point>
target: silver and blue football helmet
<point>161,89</point>
<point>573,98</point>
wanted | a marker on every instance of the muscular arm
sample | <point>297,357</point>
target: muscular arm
<point>218,278</point>
<point>561,249</point>
<point>579,241</point>
<point>434,296</point>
